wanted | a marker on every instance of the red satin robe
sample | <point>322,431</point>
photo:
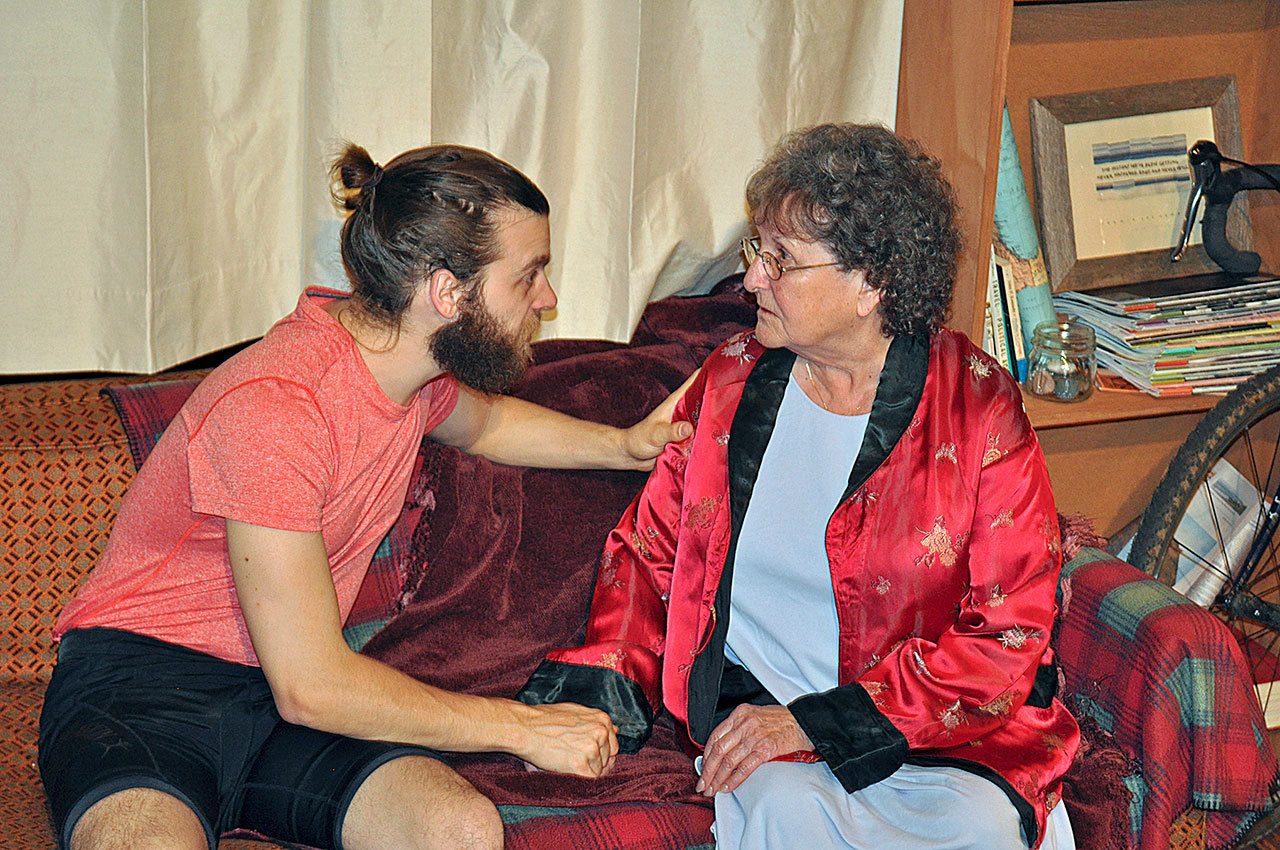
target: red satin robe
<point>944,555</point>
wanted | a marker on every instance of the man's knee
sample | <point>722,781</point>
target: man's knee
<point>457,816</point>
<point>138,819</point>
<point>476,823</point>
<point>434,806</point>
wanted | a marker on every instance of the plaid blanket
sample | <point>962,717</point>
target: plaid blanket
<point>1164,677</point>
<point>636,826</point>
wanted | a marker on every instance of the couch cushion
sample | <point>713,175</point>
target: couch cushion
<point>22,810</point>
<point>64,464</point>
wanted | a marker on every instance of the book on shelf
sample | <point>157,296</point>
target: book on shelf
<point>1200,334</point>
<point>996,340</point>
<point>1019,344</point>
<point>1002,324</point>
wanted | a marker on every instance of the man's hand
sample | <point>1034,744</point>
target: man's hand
<point>568,738</point>
<point>645,440</point>
<point>749,737</point>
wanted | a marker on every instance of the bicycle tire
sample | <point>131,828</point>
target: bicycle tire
<point>1248,404</point>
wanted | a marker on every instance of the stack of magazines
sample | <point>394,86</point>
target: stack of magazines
<point>1202,334</point>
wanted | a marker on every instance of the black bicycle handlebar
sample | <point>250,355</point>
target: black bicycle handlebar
<point>1218,188</point>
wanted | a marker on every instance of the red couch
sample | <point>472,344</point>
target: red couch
<point>488,566</point>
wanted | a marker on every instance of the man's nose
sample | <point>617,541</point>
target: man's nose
<point>546,299</point>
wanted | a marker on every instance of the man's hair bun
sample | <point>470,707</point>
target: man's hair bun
<point>354,175</point>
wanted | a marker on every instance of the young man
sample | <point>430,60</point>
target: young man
<point>203,683</point>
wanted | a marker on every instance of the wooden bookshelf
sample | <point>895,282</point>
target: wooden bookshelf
<point>1111,406</point>
<point>962,59</point>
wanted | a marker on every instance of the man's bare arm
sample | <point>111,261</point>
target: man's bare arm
<point>290,606</point>
<point>509,430</point>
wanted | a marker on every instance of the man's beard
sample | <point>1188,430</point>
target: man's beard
<point>478,350</point>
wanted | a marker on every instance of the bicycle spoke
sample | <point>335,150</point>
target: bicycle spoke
<point>1270,573</point>
<point>1259,646</point>
<point>1180,548</point>
<point>1217,528</point>
<point>1264,487</point>
<point>1263,648</point>
<point>1257,632</point>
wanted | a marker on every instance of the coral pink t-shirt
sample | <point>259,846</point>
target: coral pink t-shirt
<point>292,433</point>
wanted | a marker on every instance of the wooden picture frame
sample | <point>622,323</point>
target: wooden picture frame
<point>1075,155</point>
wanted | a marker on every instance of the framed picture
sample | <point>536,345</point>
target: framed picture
<point>1112,179</point>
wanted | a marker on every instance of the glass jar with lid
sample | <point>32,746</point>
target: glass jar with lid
<point>1063,361</point>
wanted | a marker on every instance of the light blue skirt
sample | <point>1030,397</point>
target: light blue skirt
<point>791,805</point>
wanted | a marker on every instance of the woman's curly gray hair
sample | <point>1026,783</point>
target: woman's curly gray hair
<point>878,203</point>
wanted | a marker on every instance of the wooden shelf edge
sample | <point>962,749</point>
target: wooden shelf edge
<point>1104,407</point>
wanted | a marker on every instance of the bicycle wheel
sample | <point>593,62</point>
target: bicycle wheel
<point>1210,511</point>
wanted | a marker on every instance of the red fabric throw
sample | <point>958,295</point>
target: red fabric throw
<point>621,826</point>
<point>1097,798</point>
<point>505,558</point>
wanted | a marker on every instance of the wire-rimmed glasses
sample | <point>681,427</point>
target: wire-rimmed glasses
<point>773,267</point>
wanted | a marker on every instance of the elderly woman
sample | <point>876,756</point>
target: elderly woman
<point>843,584</point>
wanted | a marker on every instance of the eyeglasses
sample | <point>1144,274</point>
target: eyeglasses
<point>773,267</point>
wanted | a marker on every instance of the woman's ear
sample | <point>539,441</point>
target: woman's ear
<point>868,298</point>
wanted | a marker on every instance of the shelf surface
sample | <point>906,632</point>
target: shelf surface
<point>1111,407</point>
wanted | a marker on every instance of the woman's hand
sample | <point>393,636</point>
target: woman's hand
<point>749,737</point>
<point>645,440</point>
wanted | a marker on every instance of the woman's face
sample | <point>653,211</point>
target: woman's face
<point>810,311</point>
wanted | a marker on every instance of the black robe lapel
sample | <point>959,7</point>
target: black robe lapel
<point>901,386</point>
<point>897,398</point>
<point>749,435</point>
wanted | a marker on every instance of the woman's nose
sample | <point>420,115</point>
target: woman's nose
<point>755,279</point>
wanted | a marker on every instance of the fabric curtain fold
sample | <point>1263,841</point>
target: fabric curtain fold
<point>168,194</point>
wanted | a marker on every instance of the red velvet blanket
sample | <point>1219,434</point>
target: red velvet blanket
<point>503,563</point>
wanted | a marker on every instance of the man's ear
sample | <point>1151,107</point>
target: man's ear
<point>445,292</point>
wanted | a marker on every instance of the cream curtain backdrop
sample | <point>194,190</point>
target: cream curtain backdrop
<point>168,193</point>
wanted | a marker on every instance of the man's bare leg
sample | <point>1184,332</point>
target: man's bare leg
<point>415,803</point>
<point>139,819</point>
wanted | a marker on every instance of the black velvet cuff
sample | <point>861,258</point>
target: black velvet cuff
<point>595,687</point>
<point>1045,687</point>
<point>859,743</point>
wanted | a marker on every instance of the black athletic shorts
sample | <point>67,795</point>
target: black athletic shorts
<point>127,711</point>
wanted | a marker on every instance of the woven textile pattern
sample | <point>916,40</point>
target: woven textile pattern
<point>637,826</point>
<point>64,464</point>
<point>22,808</point>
